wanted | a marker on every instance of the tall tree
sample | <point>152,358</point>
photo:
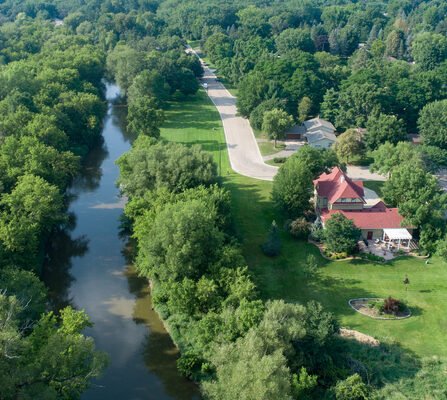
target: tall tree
<point>144,117</point>
<point>432,124</point>
<point>349,145</point>
<point>429,50</point>
<point>381,128</point>
<point>275,123</point>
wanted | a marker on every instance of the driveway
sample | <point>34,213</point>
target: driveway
<point>363,174</point>
<point>243,151</point>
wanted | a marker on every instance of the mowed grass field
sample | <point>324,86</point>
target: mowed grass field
<point>194,120</point>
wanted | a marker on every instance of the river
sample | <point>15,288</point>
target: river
<point>86,267</point>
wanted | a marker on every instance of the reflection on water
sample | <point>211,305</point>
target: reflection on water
<point>86,267</point>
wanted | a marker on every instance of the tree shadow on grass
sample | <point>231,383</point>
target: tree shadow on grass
<point>378,365</point>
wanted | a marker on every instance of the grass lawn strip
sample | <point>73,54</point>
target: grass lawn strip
<point>193,120</point>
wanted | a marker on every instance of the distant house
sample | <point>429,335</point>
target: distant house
<point>337,193</point>
<point>318,133</point>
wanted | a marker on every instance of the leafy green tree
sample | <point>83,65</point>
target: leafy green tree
<point>416,192</point>
<point>341,235</point>
<point>243,368</point>
<point>389,156</point>
<point>150,165</point>
<point>304,109</point>
<point>144,117</point>
<point>253,90</point>
<point>290,39</point>
<point>329,106</point>
<point>432,124</point>
<point>349,145</point>
<point>179,241</point>
<point>272,246</point>
<point>381,128</point>
<point>429,50</point>
<point>275,123</point>
<point>352,388</point>
<point>356,103</point>
<point>218,47</point>
<point>150,84</point>
<point>55,361</point>
<point>28,213</point>
<point>27,289</point>
<point>29,156</point>
<point>317,160</point>
<point>257,115</point>
<point>124,64</point>
<point>292,187</point>
<point>395,44</point>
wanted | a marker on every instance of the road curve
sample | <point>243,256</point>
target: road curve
<point>243,151</point>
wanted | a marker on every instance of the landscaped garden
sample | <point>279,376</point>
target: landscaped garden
<point>195,120</point>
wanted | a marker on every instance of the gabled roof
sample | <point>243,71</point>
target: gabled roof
<point>337,184</point>
<point>315,123</point>
<point>316,136</point>
<point>377,217</point>
<point>296,130</point>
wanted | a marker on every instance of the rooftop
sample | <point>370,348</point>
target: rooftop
<point>318,122</point>
<point>377,217</point>
<point>315,136</point>
<point>337,184</point>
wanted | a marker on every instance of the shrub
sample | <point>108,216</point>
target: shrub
<point>280,160</point>
<point>372,257</point>
<point>392,306</point>
<point>299,228</point>
<point>352,388</point>
<point>272,246</point>
<point>189,364</point>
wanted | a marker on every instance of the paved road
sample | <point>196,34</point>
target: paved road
<point>243,150</point>
<point>245,157</point>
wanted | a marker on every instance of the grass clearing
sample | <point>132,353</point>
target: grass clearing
<point>195,120</point>
<point>268,148</point>
<point>375,185</point>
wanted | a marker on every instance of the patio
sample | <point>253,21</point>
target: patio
<point>385,249</point>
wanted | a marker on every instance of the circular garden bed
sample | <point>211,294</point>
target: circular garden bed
<point>377,308</point>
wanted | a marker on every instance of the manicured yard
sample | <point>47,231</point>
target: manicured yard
<point>195,120</point>
<point>374,185</point>
<point>268,148</point>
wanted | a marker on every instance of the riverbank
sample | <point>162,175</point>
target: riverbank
<point>88,268</point>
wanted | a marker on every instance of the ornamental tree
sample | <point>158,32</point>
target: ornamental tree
<point>341,235</point>
<point>275,123</point>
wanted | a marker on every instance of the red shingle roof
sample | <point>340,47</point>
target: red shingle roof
<point>337,184</point>
<point>377,217</point>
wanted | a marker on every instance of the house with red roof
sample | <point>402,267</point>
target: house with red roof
<point>335,193</point>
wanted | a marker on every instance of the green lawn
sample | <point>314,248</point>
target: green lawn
<point>268,148</point>
<point>195,120</point>
<point>374,185</point>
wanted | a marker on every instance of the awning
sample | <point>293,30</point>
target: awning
<point>397,234</point>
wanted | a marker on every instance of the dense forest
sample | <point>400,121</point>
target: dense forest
<point>375,65</point>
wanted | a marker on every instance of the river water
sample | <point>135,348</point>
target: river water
<point>87,268</point>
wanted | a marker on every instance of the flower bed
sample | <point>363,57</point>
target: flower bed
<point>373,308</point>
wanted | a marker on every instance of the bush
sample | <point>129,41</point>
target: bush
<point>299,228</point>
<point>189,364</point>
<point>372,257</point>
<point>272,246</point>
<point>392,306</point>
<point>280,160</point>
<point>352,388</point>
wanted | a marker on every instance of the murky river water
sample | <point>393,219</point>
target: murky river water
<point>87,268</point>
